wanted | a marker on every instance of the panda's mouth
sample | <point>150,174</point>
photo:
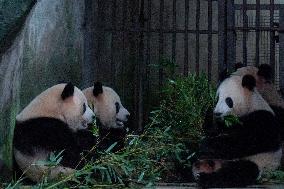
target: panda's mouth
<point>119,123</point>
<point>85,124</point>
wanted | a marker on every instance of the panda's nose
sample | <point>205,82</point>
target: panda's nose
<point>127,116</point>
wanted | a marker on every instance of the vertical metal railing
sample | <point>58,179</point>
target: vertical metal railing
<point>257,36</point>
<point>113,33</point>
<point>138,38</point>
<point>260,21</point>
<point>209,39</point>
<point>161,40</point>
<point>272,40</point>
<point>186,22</point>
<point>174,27</point>
<point>245,26</point>
<point>124,16</point>
<point>197,36</point>
<point>141,67</point>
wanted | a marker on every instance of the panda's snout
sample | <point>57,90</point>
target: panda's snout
<point>127,116</point>
<point>89,116</point>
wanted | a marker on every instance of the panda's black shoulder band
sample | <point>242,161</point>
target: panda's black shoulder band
<point>249,82</point>
<point>67,91</point>
<point>98,88</point>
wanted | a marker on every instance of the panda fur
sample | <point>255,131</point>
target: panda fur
<point>50,123</point>
<point>111,116</point>
<point>265,86</point>
<point>237,155</point>
<point>263,76</point>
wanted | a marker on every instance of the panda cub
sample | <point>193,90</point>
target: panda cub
<point>237,155</point>
<point>111,116</point>
<point>50,124</point>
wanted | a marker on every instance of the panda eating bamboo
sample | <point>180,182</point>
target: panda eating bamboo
<point>238,155</point>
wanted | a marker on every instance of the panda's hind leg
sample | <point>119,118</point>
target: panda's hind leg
<point>222,173</point>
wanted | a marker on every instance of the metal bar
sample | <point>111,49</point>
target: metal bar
<point>141,68</point>
<point>112,64</point>
<point>272,42</point>
<point>281,49</point>
<point>124,60</point>
<point>254,6</point>
<point>260,28</point>
<point>257,37</point>
<point>174,35</point>
<point>221,36</point>
<point>133,30</point>
<point>245,25</point>
<point>161,40</point>
<point>226,34</point>
<point>148,50</point>
<point>186,21</point>
<point>88,67</point>
<point>230,36</point>
<point>100,38</point>
<point>197,36</point>
<point>209,40</point>
<point>149,16</point>
<point>134,56</point>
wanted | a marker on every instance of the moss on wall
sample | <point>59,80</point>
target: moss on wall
<point>12,16</point>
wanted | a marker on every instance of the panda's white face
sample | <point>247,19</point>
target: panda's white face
<point>107,106</point>
<point>238,96</point>
<point>76,111</point>
<point>109,110</point>
<point>232,98</point>
<point>122,114</point>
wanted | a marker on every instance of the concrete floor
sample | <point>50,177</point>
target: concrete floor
<point>194,186</point>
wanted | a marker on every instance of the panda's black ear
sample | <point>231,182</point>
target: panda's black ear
<point>223,75</point>
<point>265,70</point>
<point>67,91</point>
<point>249,82</point>
<point>239,65</point>
<point>98,88</point>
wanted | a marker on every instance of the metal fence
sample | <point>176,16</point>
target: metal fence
<point>125,39</point>
<point>257,30</point>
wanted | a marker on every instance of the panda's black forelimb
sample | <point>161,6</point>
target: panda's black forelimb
<point>257,133</point>
<point>47,134</point>
<point>109,136</point>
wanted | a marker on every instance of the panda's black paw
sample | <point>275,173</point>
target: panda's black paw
<point>205,166</point>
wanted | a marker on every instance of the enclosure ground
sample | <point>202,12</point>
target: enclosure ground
<point>194,185</point>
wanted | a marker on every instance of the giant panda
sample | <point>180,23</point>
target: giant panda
<point>265,86</point>
<point>237,155</point>
<point>49,124</point>
<point>111,116</point>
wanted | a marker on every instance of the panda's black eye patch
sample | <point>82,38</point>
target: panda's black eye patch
<point>84,108</point>
<point>117,107</point>
<point>229,102</point>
